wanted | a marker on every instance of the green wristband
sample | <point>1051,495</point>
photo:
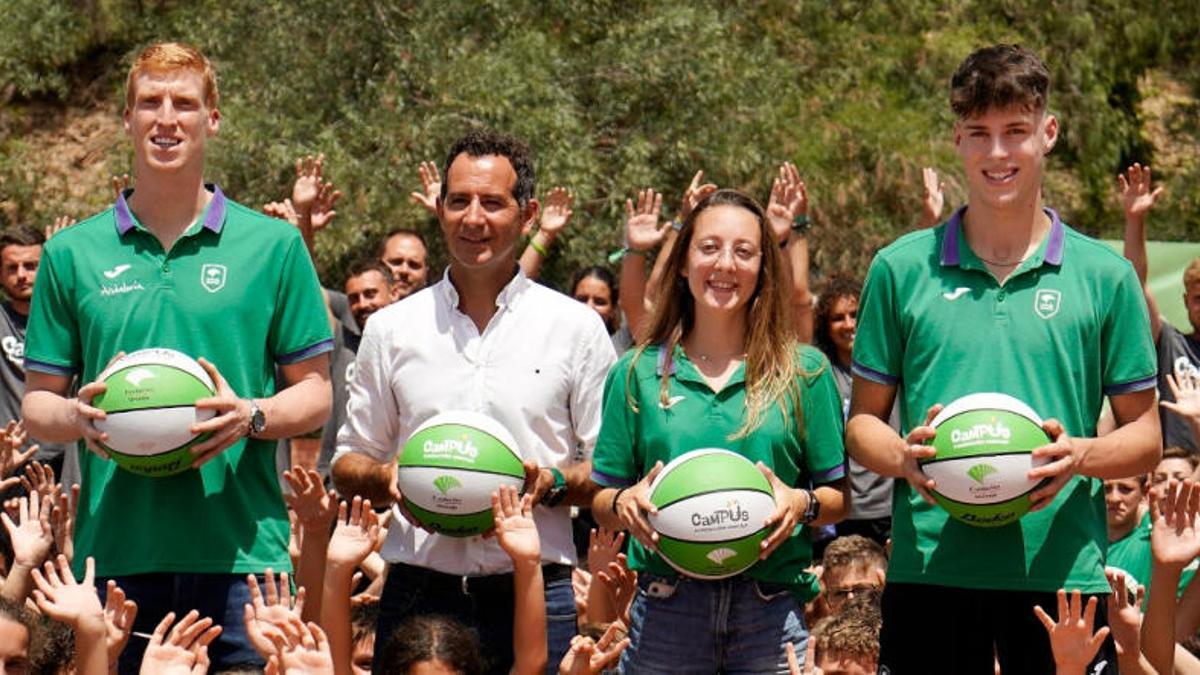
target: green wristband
<point>539,248</point>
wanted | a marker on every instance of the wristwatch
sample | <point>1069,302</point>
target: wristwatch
<point>557,492</point>
<point>258,421</point>
<point>813,510</point>
<point>801,223</point>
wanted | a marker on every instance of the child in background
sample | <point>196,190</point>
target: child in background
<point>852,565</point>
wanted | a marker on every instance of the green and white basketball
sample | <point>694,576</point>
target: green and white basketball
<point>150,403</point>
<point>711,507</point>
<point>983,445</point>
<point>449,468</point>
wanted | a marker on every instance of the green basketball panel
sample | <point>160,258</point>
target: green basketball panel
<point>986,515</point>
<point>150,386</point>
<point>709,473</point>
<point>467,525</point>
<point>987,432</point>
<point>712,560</point>
<point>460,446</point>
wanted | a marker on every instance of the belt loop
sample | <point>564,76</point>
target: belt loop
<point>465,589</point>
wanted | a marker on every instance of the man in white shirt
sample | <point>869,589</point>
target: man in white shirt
<point>485,338</point>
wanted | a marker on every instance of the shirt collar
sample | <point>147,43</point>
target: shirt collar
<point>677,364</point>
<point>508,297</point>
<point>952,241</point>
<point>214,215</point>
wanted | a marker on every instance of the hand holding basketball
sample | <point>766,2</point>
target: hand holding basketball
<point>790,503</point>
<point>1062,456</point>
<point>230,425</point>
<point>86,415</point>
<point>634,503</point>
<point>915,450</point>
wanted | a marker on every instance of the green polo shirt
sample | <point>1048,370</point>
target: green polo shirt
<point>1066,329</point>
<point>239,289</point>
<point>1132,554</point>
<point>804,454</point>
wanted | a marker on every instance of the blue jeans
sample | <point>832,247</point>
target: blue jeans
<point>482,603</point>
<point>683,626</point>
<point>218,596</point>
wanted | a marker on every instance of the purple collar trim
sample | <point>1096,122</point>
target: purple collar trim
<point>214,217</point>
<point>1054,245</point>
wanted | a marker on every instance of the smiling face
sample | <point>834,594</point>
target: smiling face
<point>843,322</point>
<point>406,256</point>
<point>368,293</point>
<point>480,218</point>
<point>168,121</point>
<point>724,259</point>
<point>596,294</point>
<point>1003,152</point>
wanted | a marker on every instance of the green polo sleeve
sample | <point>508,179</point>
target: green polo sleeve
<point>1127,351</point>
<point>613,461</point>
<point>300,328</point>
<point>877,345</point>
<point>52,338</point>
<point>824,451</point>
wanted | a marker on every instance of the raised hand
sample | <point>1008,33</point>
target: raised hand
<point>1186,391</point>
<point>40,478</point>
<point>182,652</point>
<point>431,186</point>
<point>62,522</point>
<point>694,194</point>
<point>11,456</point>
<point>789,199</point>
<point>621,583</point>
<point>933,199</point>
<point>309,171</point>
<point>266,613</point>
<point>1071,638</point>
<point>64,599</point>
<point>119,614</point>
<point>515,530</point>
<point>304,649</point>
<point>31,536</point>
<point>60,223</point>
<point>603,547</point>
<point>120,184</point>
<point>556,211</point>
<point>283,210</point>
<point>1136,196</point>
<point>643,231</point>
<point>1124,611</point>
<point>1174,535</point>
<point>314,506</point>
<point>355,535</point>
<point>592,658</point>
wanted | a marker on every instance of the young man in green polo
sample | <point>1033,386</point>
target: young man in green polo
<point>1003,297</point>
<point>176,264</point>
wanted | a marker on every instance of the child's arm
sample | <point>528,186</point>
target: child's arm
<point>1174,542</point>
<point>352,540</point>
<point>518,536</point>
<point>315,508</point>
<point>76,604</point>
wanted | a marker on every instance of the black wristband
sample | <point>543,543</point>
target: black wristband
<point>616,497</point>
<point>813,510</point>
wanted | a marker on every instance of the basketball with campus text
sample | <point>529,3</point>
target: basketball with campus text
<point>711,507</point>
<point>451,465</point>
<point>984,443</point>
<point>150,403</point>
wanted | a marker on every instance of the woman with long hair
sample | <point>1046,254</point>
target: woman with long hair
<point>718,367</point>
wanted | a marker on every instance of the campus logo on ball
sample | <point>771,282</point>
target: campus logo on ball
<point>212,277</point>
<point>461,449</point>
<point>990,432</point>
<point>733,516</point>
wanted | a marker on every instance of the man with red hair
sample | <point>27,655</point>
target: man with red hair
<point>176,264</point>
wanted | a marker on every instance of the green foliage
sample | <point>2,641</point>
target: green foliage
<point>615,96</point>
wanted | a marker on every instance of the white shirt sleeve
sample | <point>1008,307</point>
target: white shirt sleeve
<point>592,363</point>
<point>372,423</point>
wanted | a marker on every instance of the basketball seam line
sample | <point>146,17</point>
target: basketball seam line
<point>714,541</point>
<point>713,491</point>
<point>153,407</point>
<point>457,468</point>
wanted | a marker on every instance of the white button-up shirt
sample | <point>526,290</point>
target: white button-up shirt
<point>538,368</point>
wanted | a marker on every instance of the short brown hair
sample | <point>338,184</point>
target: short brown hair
<point>1179,452</point>
<point>21,235</point>
<point>164,57</point>
<point>997,77</point>
<point>854,550</point>
<point>853,634</point>
<point>1191,274</point>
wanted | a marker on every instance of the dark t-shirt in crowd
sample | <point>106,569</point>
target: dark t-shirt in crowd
<point>12,376</point>
<point>1178,354</point>
<point>871,494</point>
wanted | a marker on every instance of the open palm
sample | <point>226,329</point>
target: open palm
<point>515,530</point>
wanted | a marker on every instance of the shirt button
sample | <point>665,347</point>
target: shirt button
<point>166,267</point>
<point>1000,296</point>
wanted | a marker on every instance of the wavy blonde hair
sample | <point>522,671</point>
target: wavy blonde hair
<point>771,363</point>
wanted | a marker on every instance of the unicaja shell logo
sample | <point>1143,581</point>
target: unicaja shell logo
<point>139,375</point>
<point>981,471</point>
<point>446,483</point>
<point>720,555</point>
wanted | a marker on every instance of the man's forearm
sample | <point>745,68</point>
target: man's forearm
<point>875,445</point>
<point>1131,450</point>
<point>602,509</point>
<point>298,409</point>
<point>50,417</point>
<point>580,488</point>
<point>360,475</point>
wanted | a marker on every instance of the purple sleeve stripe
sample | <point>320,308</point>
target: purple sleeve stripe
<point>829,475</point>
<point>873,375</point>
<point>1132,386</point>
<point>306,353</point>
<point>604,480</point>
<point>49,368</point>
